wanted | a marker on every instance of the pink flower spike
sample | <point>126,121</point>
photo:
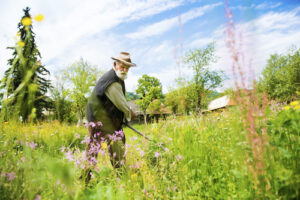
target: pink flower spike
<point>156,154</point>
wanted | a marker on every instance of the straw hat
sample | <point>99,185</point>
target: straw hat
<point>124,57</point>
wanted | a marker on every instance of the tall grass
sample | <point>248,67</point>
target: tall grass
<point>192,158</point>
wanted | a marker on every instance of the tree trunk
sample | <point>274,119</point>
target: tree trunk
<point>145,118</point>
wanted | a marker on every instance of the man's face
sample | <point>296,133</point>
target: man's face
<point>121,70</point>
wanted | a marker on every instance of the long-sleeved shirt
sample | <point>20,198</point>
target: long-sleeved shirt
<point>115,94</point>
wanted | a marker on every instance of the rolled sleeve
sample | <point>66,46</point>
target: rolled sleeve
<point>115,94</point>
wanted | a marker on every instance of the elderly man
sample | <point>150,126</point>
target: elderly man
<point>107,104</point>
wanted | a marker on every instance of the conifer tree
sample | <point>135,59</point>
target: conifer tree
<point>25,84</point>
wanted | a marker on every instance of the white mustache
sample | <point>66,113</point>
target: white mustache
<point>121,75</point>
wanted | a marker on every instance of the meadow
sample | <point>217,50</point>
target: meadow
<point>190,157</point>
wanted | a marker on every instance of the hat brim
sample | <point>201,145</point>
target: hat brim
<point>125,62</point>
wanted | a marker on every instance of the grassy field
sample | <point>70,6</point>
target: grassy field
<point>203,157</point>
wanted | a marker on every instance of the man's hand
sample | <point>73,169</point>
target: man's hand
<point>133,115</point>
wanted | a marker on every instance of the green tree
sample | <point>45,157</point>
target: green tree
<point>204,80</point>
<point>25,84</point>
<point>131,96</point>
<point>182,100</point>
<point>149,88</point>
<point>281,77</point>
<point>61,102</point>
<point>82,76</point>
<point>172,100</point>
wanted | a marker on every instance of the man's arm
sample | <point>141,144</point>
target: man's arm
<point>115,94</point>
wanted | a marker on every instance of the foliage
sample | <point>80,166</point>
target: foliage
<point>181,100</point>
<point>155,106</point>
<point>25,83</point>
<point>281,77</point>
<point>149,88</point>
<point>82,76</point>
<point>131,96</point>
<point>204,80</point>
<point>61,102</point>
<point>191,158</point>
<point>284,134</point>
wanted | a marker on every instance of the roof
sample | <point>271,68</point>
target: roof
<point>220,103</point>
<point>134,107</point>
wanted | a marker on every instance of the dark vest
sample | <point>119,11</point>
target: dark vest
<point>112,111</point>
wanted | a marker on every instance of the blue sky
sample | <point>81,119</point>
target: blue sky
<point>150,31</point>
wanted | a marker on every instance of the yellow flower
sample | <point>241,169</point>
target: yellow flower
<point>21,43</point>
<point>286,107</point>
<point>103,145</point>
<point>297,107</point>
<point>133,176</point>
<point>26,21</point>
<point>39,17</point>
<point>294,103</point>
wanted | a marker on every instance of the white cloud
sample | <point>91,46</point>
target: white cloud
<point>261,6</point>
<point>68,23</point>
<point>74,29</point>
<point>167,24</point>
<point>270,33</point>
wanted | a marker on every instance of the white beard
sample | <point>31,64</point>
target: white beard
<point>120,75</point>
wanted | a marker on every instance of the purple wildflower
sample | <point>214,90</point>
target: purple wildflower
<point>156,154</point>
<point>86,140</point>
<point>63,148</point>
<point>120,133</point>
<point>93,161</point>
<point>102,152</point>
<point>38,197</point>
<point>11,176</point>
<point>179,157</point>
<point>69,156</point>
<point>92,124</point>
<point>32,145</point>
<point>77,135</point>
<point>99,124</point>
<point>142,153</point>
<point>92,175</point>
